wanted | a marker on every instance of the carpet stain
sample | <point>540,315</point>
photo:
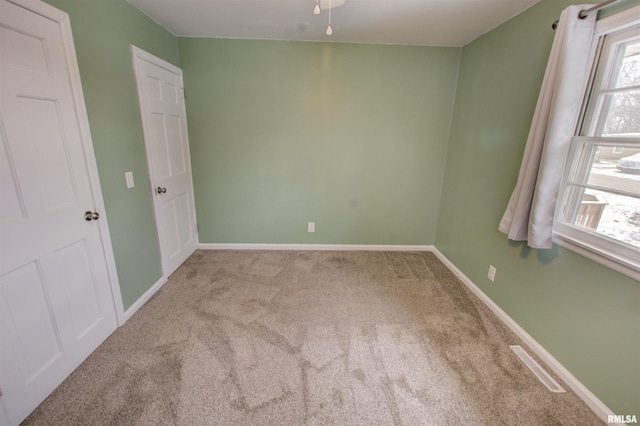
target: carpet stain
<point>192,274</point>
<point>359,374</point>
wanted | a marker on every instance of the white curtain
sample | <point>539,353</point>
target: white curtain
<point>529,215</point>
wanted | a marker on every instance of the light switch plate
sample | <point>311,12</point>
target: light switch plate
<point>129,178</point>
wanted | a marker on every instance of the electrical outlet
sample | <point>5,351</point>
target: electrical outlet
<point>492,273</point>
<point>311,227</point>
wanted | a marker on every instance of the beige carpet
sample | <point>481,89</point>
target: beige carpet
<point>310,338</point>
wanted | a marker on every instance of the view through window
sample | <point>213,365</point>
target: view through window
<point>601,203</point>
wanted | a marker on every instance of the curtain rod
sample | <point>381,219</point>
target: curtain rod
<point>584,13</point>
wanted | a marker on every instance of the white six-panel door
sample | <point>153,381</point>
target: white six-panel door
<point>56,300</point>
<point>160,93</point>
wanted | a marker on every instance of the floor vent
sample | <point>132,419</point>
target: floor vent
<point>537,370</point>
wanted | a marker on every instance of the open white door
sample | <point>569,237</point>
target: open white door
<point>161,97</point>
<point>57,278</point>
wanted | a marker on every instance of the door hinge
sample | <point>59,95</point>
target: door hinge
<point>197,228</point>
<point>182,92</point>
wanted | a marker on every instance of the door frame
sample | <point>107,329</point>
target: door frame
<point>62,18</point>
<point>137,55</point>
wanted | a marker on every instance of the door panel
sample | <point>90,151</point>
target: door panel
<point>80,287</point>
<point>12,207</point>
<point>27,52</point>
<point>177,151</point>
<point>56,304</point>
<point>25,300</point>
<point>160,158</point>
<point>165,132</point>
<point>43,132</point>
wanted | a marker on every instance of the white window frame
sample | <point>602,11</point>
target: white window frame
<point>599,248</point>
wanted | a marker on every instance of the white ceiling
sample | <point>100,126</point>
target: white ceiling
<point>414,22</point>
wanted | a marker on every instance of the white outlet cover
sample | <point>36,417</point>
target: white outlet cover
<point>128,176</point>
<point>311,227</point>
<point>492,272</point>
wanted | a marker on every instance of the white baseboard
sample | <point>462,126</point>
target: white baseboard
<point>317,247</point>
<point>597,406</point>
<point>143,299</point>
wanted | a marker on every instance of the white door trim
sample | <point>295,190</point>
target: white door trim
<point>62,18</point>
<point>137,52</point>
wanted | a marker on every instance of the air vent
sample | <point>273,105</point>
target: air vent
<point>544,377</point>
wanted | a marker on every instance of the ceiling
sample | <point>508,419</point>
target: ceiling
<point>412,22</point>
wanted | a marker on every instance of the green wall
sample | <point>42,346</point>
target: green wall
<point>354,138</point>
<point>103,30</point>
<point>585,315</point>
<point>351,137</point>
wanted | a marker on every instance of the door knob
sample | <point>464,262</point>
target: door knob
<point>89,216</point>
<point>161,190</point>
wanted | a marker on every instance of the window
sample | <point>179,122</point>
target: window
<point>598,213</point>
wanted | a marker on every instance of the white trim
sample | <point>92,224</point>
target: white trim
<point>161,63</point>
<point>594,253</point>
<point>601,249</point>
<point>618,21</point>
<point>92,169</point>
<point>144,298</point>
<point>597,406</point>
<point>316,247</point>
<point>62,18</point>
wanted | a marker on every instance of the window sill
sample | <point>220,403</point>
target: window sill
<point>626,267</point>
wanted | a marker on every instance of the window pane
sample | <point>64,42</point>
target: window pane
<point>622,114</point>
<point>615,216</point>
<point>629,74</point>
<point>614,170</point>
<point>599,205</point>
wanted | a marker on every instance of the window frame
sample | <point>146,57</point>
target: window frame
<point>599,248</point>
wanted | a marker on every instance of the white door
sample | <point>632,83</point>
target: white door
<point>161,97</point>
<point>56,300</point>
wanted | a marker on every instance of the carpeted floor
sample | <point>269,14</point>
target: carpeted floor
<point>297,338</point>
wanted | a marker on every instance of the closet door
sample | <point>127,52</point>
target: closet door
<point>56,301</point>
